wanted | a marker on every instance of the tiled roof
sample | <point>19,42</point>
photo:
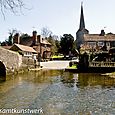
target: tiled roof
<point>44,41</point>
<point>7,47</point>
<point>28,40</point>
<point>24,48</point>
<point>97,37</point>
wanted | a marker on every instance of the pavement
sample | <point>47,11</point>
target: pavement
<point>55,64</point>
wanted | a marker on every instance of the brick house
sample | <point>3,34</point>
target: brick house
<point>25,51</point>
<point>39,44</point>
<point>86,41</point>
<point>98,41</point>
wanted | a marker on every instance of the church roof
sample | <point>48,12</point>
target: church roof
<point>82,22</point>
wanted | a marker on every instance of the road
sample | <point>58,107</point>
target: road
<point>55,64</point>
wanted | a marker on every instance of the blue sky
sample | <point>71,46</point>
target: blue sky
<point>61,17</point>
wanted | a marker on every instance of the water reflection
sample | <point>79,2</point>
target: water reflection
<point>88,79</point>
<point>60,93</point>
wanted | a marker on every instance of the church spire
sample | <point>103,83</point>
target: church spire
<point>82,22</point>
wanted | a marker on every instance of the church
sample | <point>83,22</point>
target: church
<point>89,42</point>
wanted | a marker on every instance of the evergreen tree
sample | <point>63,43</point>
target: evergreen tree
<point>67,44</point>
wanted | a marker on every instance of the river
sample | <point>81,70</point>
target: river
<point>59,93</point>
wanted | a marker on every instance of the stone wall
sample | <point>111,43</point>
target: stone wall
<point>10,59</point>
<point>27,61</point>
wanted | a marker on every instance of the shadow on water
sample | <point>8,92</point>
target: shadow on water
<point>43,76</point>
<point>86,79</point>
<point>69,79</point>
<point>2,72</point>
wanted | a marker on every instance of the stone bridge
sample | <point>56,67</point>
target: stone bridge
<point>9,60</point>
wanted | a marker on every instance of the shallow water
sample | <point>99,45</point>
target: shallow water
<point>59,93</point>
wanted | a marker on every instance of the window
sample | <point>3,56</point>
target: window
<point>92,43</point>
<point>107,43</point>
<point>100,43</point>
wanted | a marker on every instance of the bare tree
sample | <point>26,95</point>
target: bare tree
<point>11,5</point>
<point>46,32</point>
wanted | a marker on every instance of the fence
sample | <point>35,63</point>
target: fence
<point>101,64</point>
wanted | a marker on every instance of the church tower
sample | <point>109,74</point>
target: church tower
<point>81,31</point>
<point>82,22</point>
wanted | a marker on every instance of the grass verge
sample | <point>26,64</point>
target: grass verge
<point>73,67</point>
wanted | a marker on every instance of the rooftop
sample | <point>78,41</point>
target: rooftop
<point>24,48</point>
<point>44,41</point>
<point>97,37</point>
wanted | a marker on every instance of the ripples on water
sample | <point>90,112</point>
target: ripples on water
<point>60,93</point>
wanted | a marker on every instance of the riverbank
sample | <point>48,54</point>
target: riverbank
<point>58,65</point>
<point>112,75</point>
<point>49,65</point>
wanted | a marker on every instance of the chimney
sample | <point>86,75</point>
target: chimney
<point>39,38</point>
<point>16,38</point>
<point>34,37</point>
<point>102,33</point>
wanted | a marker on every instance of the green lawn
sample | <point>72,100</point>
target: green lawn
<point>73,67</point>
<point>57,56</point>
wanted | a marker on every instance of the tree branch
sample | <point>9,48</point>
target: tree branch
<point>14,6</point>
